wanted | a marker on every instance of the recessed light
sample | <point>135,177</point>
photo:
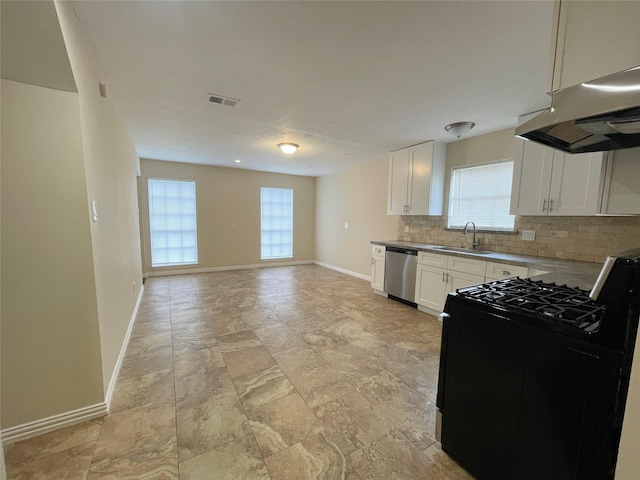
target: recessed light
<point>237,161</point>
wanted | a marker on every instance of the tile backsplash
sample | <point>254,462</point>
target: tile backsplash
<point>588,239</point>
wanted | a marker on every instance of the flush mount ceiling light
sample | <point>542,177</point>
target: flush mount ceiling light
<point>288,148</point>
<point>459,129</point>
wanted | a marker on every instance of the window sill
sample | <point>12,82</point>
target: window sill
<point>169,265</point>
<point>506,232</point>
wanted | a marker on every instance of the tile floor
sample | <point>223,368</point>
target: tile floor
<point>275,373</point>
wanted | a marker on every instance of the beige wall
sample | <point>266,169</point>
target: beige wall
<point>226,196</point>
<point>481,149</point>
<point>50,340</point>
<point>588,239</point>
<point>628,467</point>
<point>110,166</point>
<point>357,196</point>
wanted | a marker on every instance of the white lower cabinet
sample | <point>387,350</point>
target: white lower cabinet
<point>498,271</point>
<point>377,268</point>
<point>431,289</point>
<point>457,280</point>
<point>437,275</point>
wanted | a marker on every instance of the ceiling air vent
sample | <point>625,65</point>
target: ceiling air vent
<point>219,99</point>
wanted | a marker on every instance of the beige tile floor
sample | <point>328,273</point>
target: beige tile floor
<point>276,373</point>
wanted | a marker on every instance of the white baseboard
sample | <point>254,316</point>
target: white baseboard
<point>182,271</point>
<point>49,424</point>
<point>342,270</point>
<point>125,343</point>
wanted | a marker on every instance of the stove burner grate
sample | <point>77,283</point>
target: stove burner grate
<point>560,305</point>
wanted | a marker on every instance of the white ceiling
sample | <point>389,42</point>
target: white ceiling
<point>338,78</point>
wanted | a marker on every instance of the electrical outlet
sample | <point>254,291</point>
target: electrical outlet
<point>528,235</point>
<point>346,225</point>
<point>234,225</point>
<point>406,229</point>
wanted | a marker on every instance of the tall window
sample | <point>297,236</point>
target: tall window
<point>172,220</point>
<point>276,223</point>
<point>481,194</point>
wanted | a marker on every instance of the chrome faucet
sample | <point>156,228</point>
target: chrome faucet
<point>474,243</point>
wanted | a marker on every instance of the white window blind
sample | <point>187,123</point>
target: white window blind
<point>172,221</point>
<point>481,194</point>
<point>276,223</point>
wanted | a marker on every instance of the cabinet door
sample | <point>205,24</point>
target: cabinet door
<point>622,189</point>
<point>430,287</point>
<point>398,182</point>
<point>576,183</point>
<point>582,55</point>
<point>419,193</point>
<point>377,273</point>
<point>531,178</point>
<point>456,280</point>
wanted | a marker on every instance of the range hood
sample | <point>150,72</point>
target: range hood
<point>595,116</point>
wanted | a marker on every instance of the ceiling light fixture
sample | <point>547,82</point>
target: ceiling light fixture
<point>459,129</point>
<point>288,148</point>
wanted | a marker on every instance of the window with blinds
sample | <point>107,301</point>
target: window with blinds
<point>482,194</point>
<point>276,223</point>
<point>172,222</point>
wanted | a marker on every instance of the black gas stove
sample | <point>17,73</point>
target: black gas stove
<point>558,307</point>
<point>534,376</point>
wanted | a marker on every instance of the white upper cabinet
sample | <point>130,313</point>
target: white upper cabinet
<point>377,267</point>
<point>594,39</point>
<point>416,180</point>
<point>621,195</point>
<point>399,175</point>
<point>551,182</point>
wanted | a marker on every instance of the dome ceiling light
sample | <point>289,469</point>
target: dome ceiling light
<point>288,147</point>
<point>459,129</point>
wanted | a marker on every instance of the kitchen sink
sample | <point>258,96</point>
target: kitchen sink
<point>461,250</point>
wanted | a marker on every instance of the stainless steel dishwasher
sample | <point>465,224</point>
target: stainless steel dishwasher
<point>400,273</point>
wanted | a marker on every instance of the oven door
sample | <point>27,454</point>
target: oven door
<point>518,402</point>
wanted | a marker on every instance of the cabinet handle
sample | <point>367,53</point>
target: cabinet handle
<point>506,272</point>
<point>443,276</point>
<point>372,261</point>
<point>544,205</point>
<point>550,204</point>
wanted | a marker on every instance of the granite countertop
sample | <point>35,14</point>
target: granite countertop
<point>566,272</point>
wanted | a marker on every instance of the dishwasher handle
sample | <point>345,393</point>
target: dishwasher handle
<point>406,251</point>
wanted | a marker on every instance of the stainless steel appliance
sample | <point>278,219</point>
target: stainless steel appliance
<point>534,376</point>
<point>400,273</point>
<point>595,116</point>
